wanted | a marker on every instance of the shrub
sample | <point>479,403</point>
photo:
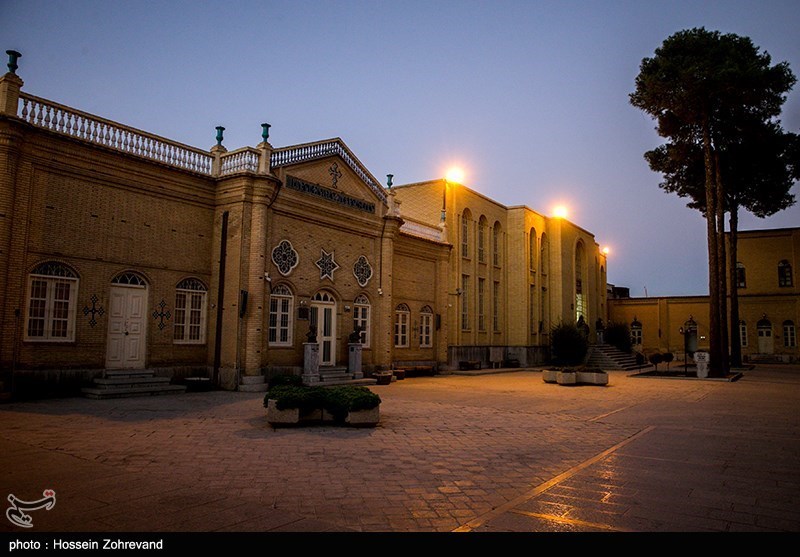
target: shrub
<point>338,400</point>
<point>618,335</point>
<point>294,396</point>
<point>667,358</point>
<point>343,399</point>
<point>656,359</point>
<point>569,345</point>
<point>285,379</point>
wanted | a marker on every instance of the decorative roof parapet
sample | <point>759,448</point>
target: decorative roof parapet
<point>320,149</point>
<point>68,121</point>
<point>94,129</point>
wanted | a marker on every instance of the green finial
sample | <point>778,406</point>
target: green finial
<point>389,180</point>
<point>13,55</point>
<point>265,132</point>
<point>220,129</point>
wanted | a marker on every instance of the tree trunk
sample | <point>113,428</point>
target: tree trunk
<point>713,260</point>
<point>722,266</point>
<point>736,340</point>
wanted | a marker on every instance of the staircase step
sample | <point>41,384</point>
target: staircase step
<point>109,373</point>
<point>114,382</point>
<point>101,393</point>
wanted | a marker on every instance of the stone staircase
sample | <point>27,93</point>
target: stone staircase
<point>129,383</point>
<point>339,375</point>
<point>607,357</point>
<point>328,375</point>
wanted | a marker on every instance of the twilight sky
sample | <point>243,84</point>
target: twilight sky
<point>529,97</point>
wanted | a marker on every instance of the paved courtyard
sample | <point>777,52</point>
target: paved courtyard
<point>488,453</point>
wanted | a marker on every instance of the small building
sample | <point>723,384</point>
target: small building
<point>769,305</point>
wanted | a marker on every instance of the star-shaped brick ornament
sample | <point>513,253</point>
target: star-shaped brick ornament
<point>326,265</point>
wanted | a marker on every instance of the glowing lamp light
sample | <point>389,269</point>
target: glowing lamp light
<point>560,211</point>
<point>606,250</point>
<point>455,175</point>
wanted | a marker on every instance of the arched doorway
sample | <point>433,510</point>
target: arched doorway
<point>765,344</point>
<point>323,318</point>
<point>127,323</point>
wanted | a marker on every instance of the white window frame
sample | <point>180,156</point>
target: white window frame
<point>743,334</point>
<point>401,315</point>
<point>281,316</point>
<point>48,308</point>
<point>361,317</point>
<point>190,317</point>
<point>789,334</point>
<point>426,327</point>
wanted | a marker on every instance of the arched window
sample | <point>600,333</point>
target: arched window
<point>361,311</point>
<point>580,293</point>
<point>466,216</point>
<point>281,303</point>
<point>482,225</point>
<point>426,327</point>
<point>401,314</point>
<point>636,332</point>
<point>497,244</point>
<point>741,276</point>
<point>190,312</point>
<point>532,251</point>
<point>789,334</point>
<point>784,273</point>
<point>129,278</point>
<point>52,298</point>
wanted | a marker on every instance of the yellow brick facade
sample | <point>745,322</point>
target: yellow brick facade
<point>120,249</point>
<point>769,304</point>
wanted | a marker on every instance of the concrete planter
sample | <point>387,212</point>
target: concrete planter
<point>292,416</point>
<point>575,377</point>
<point>289,416</point>
<point>383,377</point>
<point>364,418</point>
<point>567,378</point>
<point>550,375</point>
<point>592,377</point>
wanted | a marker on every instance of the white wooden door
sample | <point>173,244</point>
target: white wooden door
<point>126,327</point>
<point>765,345</point>
<point>323,317</point>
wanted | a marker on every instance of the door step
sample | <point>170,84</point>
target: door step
<point>130,383</point>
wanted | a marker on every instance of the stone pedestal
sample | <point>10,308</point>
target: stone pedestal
<point>354,360</point>
<point>310,362</point>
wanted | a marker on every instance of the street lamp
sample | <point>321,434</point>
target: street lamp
<point>560,212</point>
<point>456,176</point>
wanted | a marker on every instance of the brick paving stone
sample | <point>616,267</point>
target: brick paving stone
<point>641,455</point>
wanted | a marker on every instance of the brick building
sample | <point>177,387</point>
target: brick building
<point>120,249</point>
<point>769,305</point>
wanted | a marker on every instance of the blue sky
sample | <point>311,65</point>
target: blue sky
<point>530,97</point>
